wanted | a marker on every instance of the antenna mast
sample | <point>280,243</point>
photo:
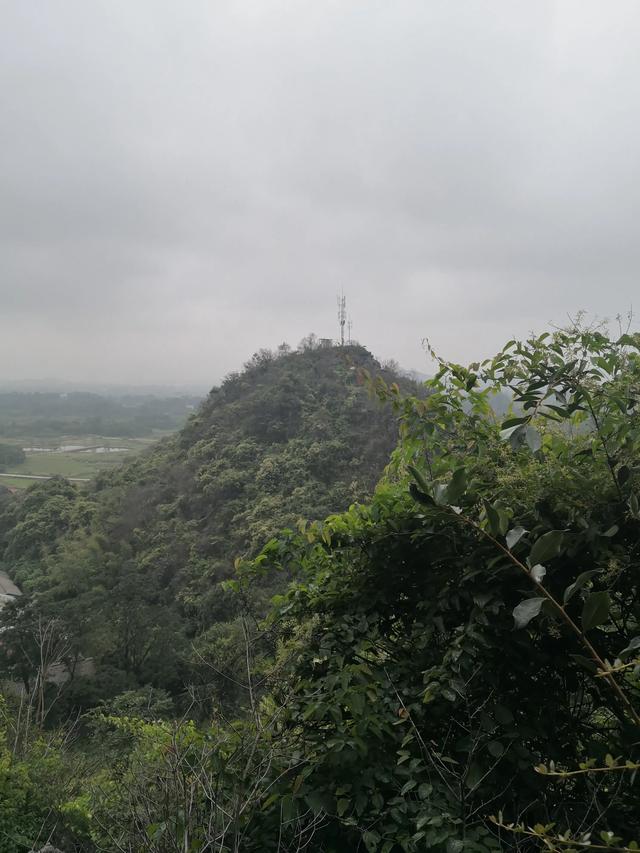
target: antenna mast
<point>342,315</point>
<point>349,327</point>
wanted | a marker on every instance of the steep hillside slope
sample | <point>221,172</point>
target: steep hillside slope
<point>131,571</point>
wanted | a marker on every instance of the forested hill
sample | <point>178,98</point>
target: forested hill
<point>454,665</point>
<point>131,571</point>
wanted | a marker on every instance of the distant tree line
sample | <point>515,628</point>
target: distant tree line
<point>47,414</point>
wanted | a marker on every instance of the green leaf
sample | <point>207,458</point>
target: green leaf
<point>503,521</point>
<point>515,435</point>
<point>514,536</point>
<point>270,801</point>
<point>538,572</point>
<point>493,517</point>
<point>458,486</point>
<point>342,806</point>
<point>503,715</point>
<point>546,547</point>
<point>440,494</point>
<point>420,497</point>
<point>632,647</point>
<point>288,808</point>
<point>156,830</point>
<point>588,451</point>
<point>510,422</point>
<point>408,786</point>
<point>370,838</point>
<point>559,410</point>
<point>317,800</point>
<point>578,583</point>
<point>527,610</point>
<point>420,479</point>
<point>533,439</point>
<point>509,433</point>
<point>474,776</point>
<point>495,748</point>
<point>355,702</point>
<point>586,663</point>
<point>595,610</point>
<point>623,474</point>
<point>629,340</point>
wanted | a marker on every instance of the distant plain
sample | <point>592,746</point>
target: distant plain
<point>56,459</point>
<point>78,435</point>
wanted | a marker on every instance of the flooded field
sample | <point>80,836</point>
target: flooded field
<point>77,448</point>
<point>78,458</point>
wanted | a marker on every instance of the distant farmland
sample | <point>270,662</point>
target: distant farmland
<point>74,457</point>
<point>78,435</point>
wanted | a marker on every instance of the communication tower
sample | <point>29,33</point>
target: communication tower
<point>342,315</point>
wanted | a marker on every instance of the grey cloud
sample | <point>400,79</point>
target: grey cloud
<point>182,183</point>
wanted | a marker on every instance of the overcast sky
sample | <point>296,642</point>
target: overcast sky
<point>184,182</point>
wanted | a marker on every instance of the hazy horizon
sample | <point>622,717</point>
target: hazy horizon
<point>57,384</point>
<point>183,184</point>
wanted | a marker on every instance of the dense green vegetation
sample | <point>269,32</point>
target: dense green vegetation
<point>10,455</point>
<point>449,665</point>
<point>131,570</point>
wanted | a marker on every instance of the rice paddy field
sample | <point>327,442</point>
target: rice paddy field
<point>74,457</point>
<point>78,434</point>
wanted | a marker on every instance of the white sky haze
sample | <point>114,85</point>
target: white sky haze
<point>182,183</point>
